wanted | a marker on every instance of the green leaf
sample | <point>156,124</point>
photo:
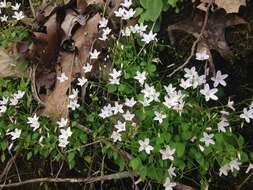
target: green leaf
<point>135,163</point>
<point>152,8</point>
<point>172,3</point>
<point>180,148</point>
<point>111,88</point>
<point>71,160</point>
<point>3,157</point>
<point>151,68</point>
<point>29,155</point>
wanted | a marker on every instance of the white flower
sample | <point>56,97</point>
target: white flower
<point>94,54</point>
<point>81,81</point>
<point>167,153</point>
<point>4,101</point>
<point>15,134</point>
<point>4,18</point>
<point>62,123</point>
<point>107,31</point>
<point>207,139</point>
<point>200,80</point>
<point>34,122</point>
<point>185,83</point>
<point>16,7</point>
<point>74,94</point>
<point>234,164</point>
<point>247,114</point>
<point>126,32</point>
<point>222,124</point>
<point>3,4</point>
<point>171,171</point>
<point>148,37</point>
<point>18,15</point>
<point>190,73</point>
<point>3,109</point>
<point>150,93</point>
<point>130,102</point>
<point>201,56</point>
<point>209,93</point>
<point>170,89</point>
<point>114,77</point>
<point>103,23</point>
<point>13,101</point>
<point>106,111</point>
<point>73,105</point>
<point>127,3</point>
<point>62,77</point>
<point>116,136</point>
<point>63,142</point>
<point>120,12</point>
<point>168,184</point>
<point>128,116</point>
<point>128,14</point>
<point>63,137</point>
<point>118,108</point>
<point>87,68</point>
<point>144,145</point>
<point>20,94</point>
<point>159,117</point>
<point>120,126</point>
<point>224,170</point>
<point>250,167</point>
<point>219,79</point>
<point>139,28</point>
<point>65,133</point>
<point>231,104</point>
<point>174,100</point>
<point>141,77</point>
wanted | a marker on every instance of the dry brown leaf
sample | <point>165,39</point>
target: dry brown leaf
<point>230,6</point>
<point>56,104</point>
<point>214,34</point>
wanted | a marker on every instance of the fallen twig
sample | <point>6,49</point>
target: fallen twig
<point>245,181</point>
<point>195,42</point>
<point>8,166</point>
<point>119,175</point>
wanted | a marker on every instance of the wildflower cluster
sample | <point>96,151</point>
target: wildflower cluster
<point>9,11</point>
<point>166,126</point>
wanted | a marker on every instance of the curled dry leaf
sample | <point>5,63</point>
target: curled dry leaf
<point>79,31</point>
<point>70,64</point>
<point>230,6</point>
<point>214,34</point>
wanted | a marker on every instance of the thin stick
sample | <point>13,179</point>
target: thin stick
<point>32,8</point>
<point>196,41</point>
<point>8,166</point>
<point>245,181</point>
<point>114,176</point>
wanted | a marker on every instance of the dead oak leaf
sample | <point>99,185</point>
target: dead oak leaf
<point>214,34</point>
<point>56,104</point>
<point>230,6</point>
